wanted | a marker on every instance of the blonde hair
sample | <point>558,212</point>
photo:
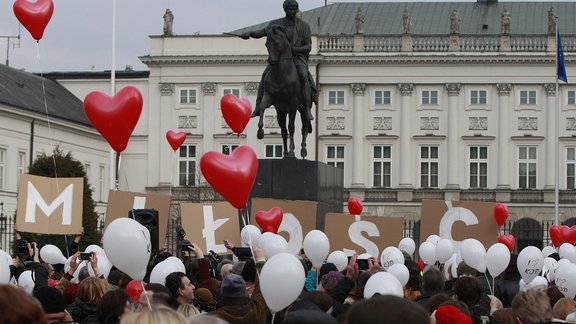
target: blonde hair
<point>532,306</point>
<point>160,314</point>
<point>91,290</point>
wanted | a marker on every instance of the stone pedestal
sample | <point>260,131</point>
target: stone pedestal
<point>295,179</point>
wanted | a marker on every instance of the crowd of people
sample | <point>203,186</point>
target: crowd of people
<point>216,289</point>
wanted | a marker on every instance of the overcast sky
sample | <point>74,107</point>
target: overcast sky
<point>78,36</point>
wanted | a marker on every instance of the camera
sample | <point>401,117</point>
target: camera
<point>22,247</point>
<point>243,253</point>
<point>84,256</point>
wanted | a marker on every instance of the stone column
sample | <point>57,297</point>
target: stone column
<point>453,90</point>
<point>209,116</point>
<point>406,169</point>
<point>251,91</point>
<point>504,90</point>
<point>358,156</point>
<point>165,123</point>
<point>550,89</point>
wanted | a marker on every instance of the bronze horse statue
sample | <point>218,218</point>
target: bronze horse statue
<point>282,88</point>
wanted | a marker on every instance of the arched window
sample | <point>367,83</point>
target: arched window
<point>527,231</point>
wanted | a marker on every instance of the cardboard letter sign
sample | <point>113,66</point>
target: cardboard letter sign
<point>50,205</point>
<point>208,225</point>
<point>371,234</point>
<point>459,220</point>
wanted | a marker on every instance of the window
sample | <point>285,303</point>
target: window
<point>382,97</point>
<point>571,97</point>
<point>234,91</point>
<point>528,97</point>
<point>335,156</point>
<point>478,97</point>
<point>87,169</point>
<point>429,166</point>
<point>527,167</point>
<point>478,163</point>
<point>187,165</point>
<point>336,97</point>
<point>274,151</point>
<point>188,96</point>
<point>571,168</point>
<point>382,165</point>
<point>101,182</point>
<point>228,148</point>
<point>429,97</point>
<point>2,168</point>
<point>21,164</point>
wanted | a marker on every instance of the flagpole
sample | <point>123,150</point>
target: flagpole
<point>114,183</point>
<point>556,137</point>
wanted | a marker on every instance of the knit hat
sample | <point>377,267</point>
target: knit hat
<point>204,297</point>
<point>331,279</point>
<point>325,268</point>
<point>51,299</point>
<point>449,314</point>
<point>233,286</point>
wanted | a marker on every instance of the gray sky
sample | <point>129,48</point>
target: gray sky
<point>79,33</point>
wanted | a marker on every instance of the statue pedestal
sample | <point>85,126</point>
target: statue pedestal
<point>297,179</point>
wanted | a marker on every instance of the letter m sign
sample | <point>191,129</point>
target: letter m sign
<point>49,205</point>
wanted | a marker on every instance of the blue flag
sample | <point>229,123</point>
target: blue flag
<point>561,73</point>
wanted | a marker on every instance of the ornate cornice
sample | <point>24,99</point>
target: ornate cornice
<point>406,89</point>
<point>251,87</point>
<point>166,89</point>
<point>504,89</point>
<point>209,88</point>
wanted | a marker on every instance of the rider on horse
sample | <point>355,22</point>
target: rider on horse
<point>299,34</point>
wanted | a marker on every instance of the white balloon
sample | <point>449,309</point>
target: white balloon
<point>427,252</point>
<point>537,283</point>
<point>250,235</point>
<point>281,281</point>
<point>104,266</point>
<point>391,256</point>
<point>547,250</point>
<point>444,250</point>
<point>162,270</point>
<point>530,262</point>
<point>4,268</point>
<point>400,272</point>
<point>7,257</point>
<point>474,254</point>
<point>127,245</point>
<point>177,263</point>
<point>383,283</point>
<point>407,245</point>
<point>264,237</point>
<point>316,246</point>
<point>339,259</point>
<point>566,279</point>
<point>26,281</point>
<point>549,268</point>
<point>497,259</point>
<point>95,248</point>
<point>567,251</point>
<point>274,244</point>
<point>52,254</point>
<point>434,239</point>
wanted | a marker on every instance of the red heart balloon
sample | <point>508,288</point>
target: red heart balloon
<point>568,234</point>
<point>114,117</point>
<point>232,176</point>
<point>500,214</point>
<point>509,240</point>
<point>556,235</point>
<point>236,112</point>
<point>175,139</point>
<point>34,16</point>
<point>355,206</point>
<point>270,220</point>
<point>134,289</point>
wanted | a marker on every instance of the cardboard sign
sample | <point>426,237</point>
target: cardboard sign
<point>371,234</point>
<point>459,220</point>
<point>120,203</point>
<point>303,210</point>
<point>208,225</point>
<point>50,205</point>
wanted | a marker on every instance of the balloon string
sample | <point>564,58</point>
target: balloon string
<point>488,282</point>
<point>172,172</point>
<point>118,163</point>
<point>273,315</point>
<point>146,295</point>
